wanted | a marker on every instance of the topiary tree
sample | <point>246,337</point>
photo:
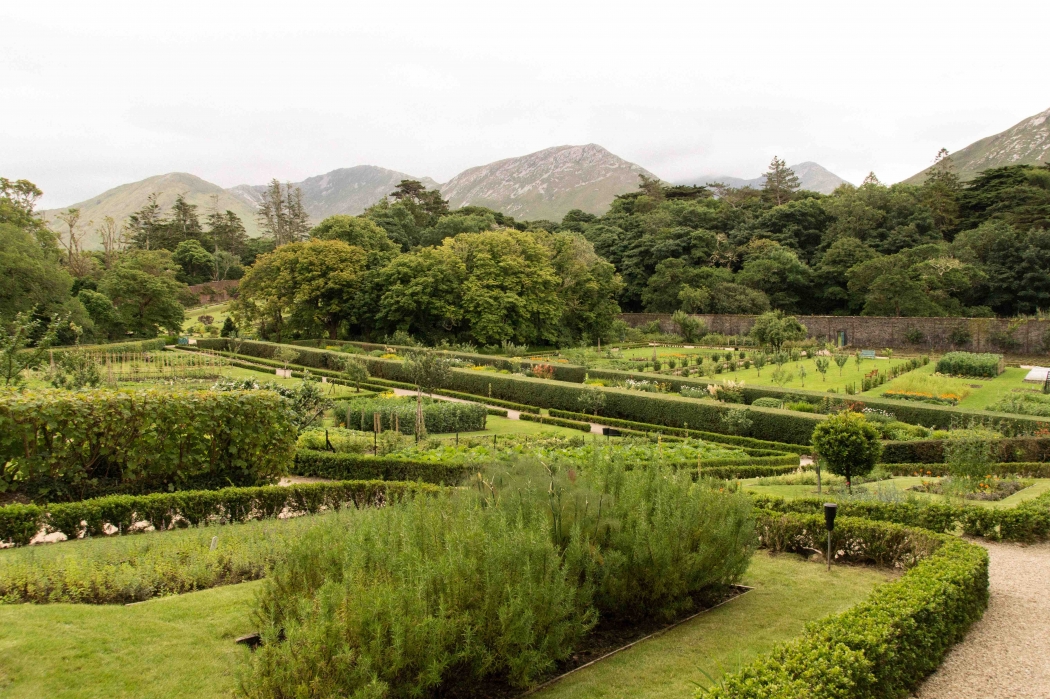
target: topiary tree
<point>355,371</point>
<point>592,400</point>
<point>848,444</point>
<point>774,329</point>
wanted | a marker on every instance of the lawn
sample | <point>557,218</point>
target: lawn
<point>184,646</point>
<point>169,647</point>
<point>789,592</point>
<point>218,312</point>
<point>982,392</point>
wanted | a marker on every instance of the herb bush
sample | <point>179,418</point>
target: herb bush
<point>971,364</point>
<point>1023,404</point>
<point>439,416</point>
<point>885,646</point>
<point>502,581</point>
<point>62,445</point>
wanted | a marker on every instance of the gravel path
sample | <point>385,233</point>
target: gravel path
<point>1007,653</point>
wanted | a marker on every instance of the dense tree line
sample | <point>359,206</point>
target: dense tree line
<point>942,248</point>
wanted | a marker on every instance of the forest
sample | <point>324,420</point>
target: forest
<point>411,265</point>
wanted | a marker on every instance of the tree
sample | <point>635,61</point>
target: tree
<point>197,263</point>
<point>691,329</point>
<point>355,371</point>
<point>421,294</point>
<point>226,265</point>
<point>103,314</point>
<point>229,329</point>
<point>114,239</point>
<point>354,230</point>
<point>428,370</point>
<point>940,192</point>
<point>181,225</point>
<point>781,182</point>
<point>282,215</point>
<point>146,225</point>
<point>305,288</point>
<point>18,352</point>
<point>822,366</point>
<point>226,231</point>
<point>773,329</point>
<point>285,355</point>
<point>30,276</point>
<point>72,240</point>
<point>848,444</point>
<point>145,292</point>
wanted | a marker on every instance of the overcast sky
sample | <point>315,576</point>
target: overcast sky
<point>96,94</point>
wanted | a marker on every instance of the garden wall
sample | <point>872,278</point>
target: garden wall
<point>987,334</point>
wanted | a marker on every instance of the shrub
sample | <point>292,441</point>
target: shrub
<point>848,443</point>
<point>439,416</point>
<point>560,422</point>
<point>883,647</point>
<point>773,329</point>
<point>383,607</point>
<point>768,403</point>
<point>59,445</point>
<point>971,364</point>
<point>354,467</point>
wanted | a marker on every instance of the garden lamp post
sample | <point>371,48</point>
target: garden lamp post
<point>830,509</point>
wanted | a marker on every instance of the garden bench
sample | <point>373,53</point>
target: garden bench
<point>867,354</point>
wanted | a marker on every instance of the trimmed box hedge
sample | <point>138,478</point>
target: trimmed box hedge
<point>560,422</point>
<point>342,466</point>
<point>66,445</point>
<point>1023,469</point>
<point>642,427</point>
<point>439,416</point>
<point>20,523</point>
<point>1027,522</point>
<point>931,451</point>
<point>884,647</point>
<point>562,372</point>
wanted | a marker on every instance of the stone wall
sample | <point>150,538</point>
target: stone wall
<point>215,292</point>
<point>986,334</point>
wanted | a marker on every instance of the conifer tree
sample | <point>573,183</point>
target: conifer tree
<point>781,182</point>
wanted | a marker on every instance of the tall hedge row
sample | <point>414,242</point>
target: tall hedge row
<point>65,445</point>
<point>931,451</point>
<point>343,466</point>
<point>438,416</point>
<point>883,647</point>
<point>562,372</point>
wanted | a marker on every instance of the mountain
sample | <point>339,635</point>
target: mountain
<point>546,184</point>
<point>811,176</point>
<point>348,190</point>
<point>121,201</point>
<point>1025,143</point>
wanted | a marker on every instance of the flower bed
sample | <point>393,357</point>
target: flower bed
<point>942,399</point>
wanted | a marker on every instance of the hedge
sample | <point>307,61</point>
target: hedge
<point>20,523</point>
<point>154,345</point>
<point>1027,522</point>
<point>342,466</point>
<point>1024,469</point>
<point>744,470</point>
<point>931,451</point>
<point>439,416</point>
<point>971,364</point>
<point>66,445</point>
<point>734,440</point>
<point>935,416</point>
<point>562,372</point>
<point>560,422</point>
<point>886,646</point>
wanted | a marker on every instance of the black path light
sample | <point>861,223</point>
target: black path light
<point>830,509</point>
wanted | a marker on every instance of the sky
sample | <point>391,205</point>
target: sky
<point>97,94</point>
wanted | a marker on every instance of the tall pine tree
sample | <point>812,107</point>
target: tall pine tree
<point>781,183</point>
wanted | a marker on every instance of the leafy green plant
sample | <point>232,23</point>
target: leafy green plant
<point>840,361</point>
<point>822,364</point>
<point>971,364</point>
<point>737,421</point>
<point>592,401</point>
<point>848,444</point>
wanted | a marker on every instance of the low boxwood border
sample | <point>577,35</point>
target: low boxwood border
<point>885,646</point>
<point>560,422</point>
<point>1025,523</point>
<point>20,523</point>
<point>342,466</point>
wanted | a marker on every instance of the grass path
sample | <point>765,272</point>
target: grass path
<point>168,647</point>
<point>184,646</point>
<point>788,593</point>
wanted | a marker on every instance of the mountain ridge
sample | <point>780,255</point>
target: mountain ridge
<point>811,175</point>
<point>1025,143</point>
